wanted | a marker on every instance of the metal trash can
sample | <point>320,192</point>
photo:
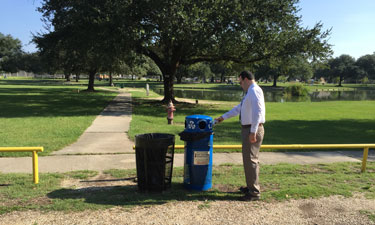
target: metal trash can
<point>154,161</point>
<point>198,137</point>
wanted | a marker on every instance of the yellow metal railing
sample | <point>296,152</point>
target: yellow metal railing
<point>34,150</point>
<point>365,148</point>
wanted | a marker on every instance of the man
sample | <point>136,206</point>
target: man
<point>252,117</point>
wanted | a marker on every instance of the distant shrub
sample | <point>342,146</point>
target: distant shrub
<point>296,90</point>
<point>365,80</point>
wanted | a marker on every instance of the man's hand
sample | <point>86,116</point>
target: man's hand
<point>219,119</point>
<point>253,138</point>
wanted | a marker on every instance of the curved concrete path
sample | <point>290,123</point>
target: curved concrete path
<point>108,132</point>
<point>105,145</point>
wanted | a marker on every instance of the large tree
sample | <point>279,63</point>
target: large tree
<point>224,69</point>
<point>343,67</point>
<point>301,69</point>
<point>184,32</point>
<point>32,62</point>
<point>10,53</point>
<point>79,36</point>
<point>366,64</point>
<point>292,67</point>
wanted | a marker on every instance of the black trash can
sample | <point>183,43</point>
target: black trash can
<point>154,159</point>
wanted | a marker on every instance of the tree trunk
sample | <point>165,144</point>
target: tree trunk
<point>179,79</point>
<point>110,79</point>
<point>340,81</point>
<point>90,87</point>
<point>274,80</point>
<point>168,89</point>
<point>67,76</point>
<point>77,77</point>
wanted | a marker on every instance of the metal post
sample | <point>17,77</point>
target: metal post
<point>35,167</point>
<point>364,160</point>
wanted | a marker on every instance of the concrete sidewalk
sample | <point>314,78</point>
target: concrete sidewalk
<point>105,145</point>
<point>108,132</point>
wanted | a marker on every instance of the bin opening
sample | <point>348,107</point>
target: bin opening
<point>202,124</point>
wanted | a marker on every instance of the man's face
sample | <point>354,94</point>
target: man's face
<point>242,83</point>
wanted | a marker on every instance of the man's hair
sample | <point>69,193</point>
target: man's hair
<point>247,74</point>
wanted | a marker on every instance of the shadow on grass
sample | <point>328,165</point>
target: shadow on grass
<point>130,196</point>
<point>33,82</point>
<point>51,102</point>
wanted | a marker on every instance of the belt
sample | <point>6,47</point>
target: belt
<point>249,125</point>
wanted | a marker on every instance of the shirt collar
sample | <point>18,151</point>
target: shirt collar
<point>251,86</point>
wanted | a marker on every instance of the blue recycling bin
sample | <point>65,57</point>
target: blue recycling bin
<point>198,137</point>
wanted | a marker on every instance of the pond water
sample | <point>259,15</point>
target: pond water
<point>274,96</point>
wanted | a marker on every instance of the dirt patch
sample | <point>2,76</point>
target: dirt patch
<point>307,209</point>
<point>225,188</point>
<point>99,181</point>
<point>19,202</point>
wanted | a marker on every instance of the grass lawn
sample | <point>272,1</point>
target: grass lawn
<point>278,182</point>
<point>52,114</point>
<point>333,122</point>
<point>46,113</point>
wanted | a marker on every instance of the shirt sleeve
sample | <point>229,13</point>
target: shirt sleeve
<point>256,107</point>
<point>233,112</point>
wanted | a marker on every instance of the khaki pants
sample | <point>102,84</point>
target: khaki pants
<point>250,156</point>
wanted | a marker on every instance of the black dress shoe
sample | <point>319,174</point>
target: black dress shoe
<point>244,190</point>
<point>249,198</point>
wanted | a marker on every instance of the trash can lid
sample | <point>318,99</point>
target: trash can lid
<point>199,117</point>
<point>198,123</point>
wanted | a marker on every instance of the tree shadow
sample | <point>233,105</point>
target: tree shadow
<point>50,102</point>
<point>129,195</point>
<point>32,82</point>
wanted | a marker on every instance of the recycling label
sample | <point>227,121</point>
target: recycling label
<point>201,157</point>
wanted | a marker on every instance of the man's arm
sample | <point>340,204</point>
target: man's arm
<point>233,112</point>
<point>256,115</point>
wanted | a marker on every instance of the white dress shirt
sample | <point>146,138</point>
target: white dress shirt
<point>252,108</point>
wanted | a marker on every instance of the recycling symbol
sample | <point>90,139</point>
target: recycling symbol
<point>191,125</point>
<point>210,125</point>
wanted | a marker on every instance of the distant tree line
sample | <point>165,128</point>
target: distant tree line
<point>345,67</point>
<point>334,70</point>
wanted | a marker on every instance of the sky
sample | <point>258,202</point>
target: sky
<point>352,23</point>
